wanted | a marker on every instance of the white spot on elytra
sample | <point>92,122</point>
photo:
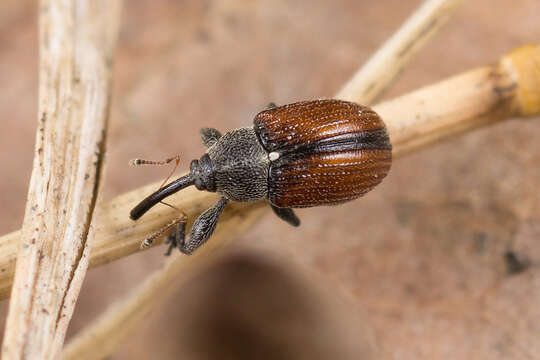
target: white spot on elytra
<point>273,156</point>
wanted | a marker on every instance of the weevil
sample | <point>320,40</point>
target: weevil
<point>305,154</point>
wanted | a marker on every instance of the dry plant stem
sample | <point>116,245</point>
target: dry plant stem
<point>475,98</point>
<point>76,44</point>
<point>382,68</point>
<point>492,93</point>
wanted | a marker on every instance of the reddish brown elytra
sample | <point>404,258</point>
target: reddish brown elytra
<point>310,153</point>
<point>330,152</point>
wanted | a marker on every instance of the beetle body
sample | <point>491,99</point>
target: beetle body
<point>305,154</point>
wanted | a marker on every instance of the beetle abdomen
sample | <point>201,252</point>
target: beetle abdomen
<point>329,152</point>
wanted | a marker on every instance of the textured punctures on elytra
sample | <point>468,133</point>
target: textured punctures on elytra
<point>306,154</point>
<point>332,134</point>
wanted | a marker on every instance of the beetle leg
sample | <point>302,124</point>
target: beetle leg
<point>203,227</point>
<point>286,214</point>
<point>209,136</point>
<point>176,238</point>
<point>271,105</point>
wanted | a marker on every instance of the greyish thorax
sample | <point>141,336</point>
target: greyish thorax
<point>236,166</point>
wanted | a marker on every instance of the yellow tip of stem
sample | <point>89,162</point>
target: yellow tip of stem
<point>526,62</point>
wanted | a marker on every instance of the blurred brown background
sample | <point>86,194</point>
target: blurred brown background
<point>415,270</point>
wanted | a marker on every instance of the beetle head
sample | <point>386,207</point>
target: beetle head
<point>202,172</point>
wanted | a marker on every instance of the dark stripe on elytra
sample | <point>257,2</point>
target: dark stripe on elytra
<point>365,140</point>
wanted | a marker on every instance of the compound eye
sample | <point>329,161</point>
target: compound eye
<point>199,184</point>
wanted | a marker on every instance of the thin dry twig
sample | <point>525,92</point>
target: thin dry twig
<point>461,103</point>
<point>382,68</point>
<point>509,88</point>
<point>76,44</point>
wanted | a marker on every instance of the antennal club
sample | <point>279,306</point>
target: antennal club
<point>138,162</point>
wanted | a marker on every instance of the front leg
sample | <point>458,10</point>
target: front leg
<point>176,238</point>
<point>209,136</point>
<point>203,227</point>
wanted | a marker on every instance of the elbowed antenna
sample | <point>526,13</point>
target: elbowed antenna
<point>161,194</point>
